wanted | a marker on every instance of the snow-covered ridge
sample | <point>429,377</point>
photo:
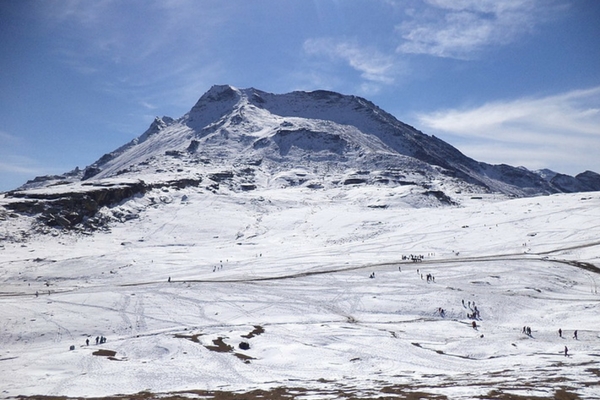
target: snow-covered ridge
<point>246,139</point>
<point>232,125</point>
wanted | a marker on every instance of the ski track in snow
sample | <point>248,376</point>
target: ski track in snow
<point>297,264</point>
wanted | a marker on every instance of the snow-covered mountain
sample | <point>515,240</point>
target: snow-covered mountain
<point>305,245</point>
<point>320,131</point>
<point>247,139</point>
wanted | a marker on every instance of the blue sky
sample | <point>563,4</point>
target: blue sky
<point>513,81</point>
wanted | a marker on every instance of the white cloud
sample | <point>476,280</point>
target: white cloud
<point>147,105</point>
<point>375,68</point>
<point>461,28</point>
<point>138,49</point>
<point>563,129</point>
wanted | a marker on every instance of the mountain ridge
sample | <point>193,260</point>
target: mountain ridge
<point>258,119</point>
<point>247,139</point>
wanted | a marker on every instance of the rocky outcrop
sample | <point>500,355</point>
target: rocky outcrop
<point>72,209</point>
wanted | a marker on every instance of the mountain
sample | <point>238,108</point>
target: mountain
<point>301,245</point>
<point>247,139</point>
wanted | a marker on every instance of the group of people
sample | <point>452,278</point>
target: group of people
<point>99,340</point>
<point>429,277</point>
<point>574,337</point>
<point>414,257</point>
<point>474,314</point>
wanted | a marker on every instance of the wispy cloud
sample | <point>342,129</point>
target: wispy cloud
<point>7,138</point>
<point>540,131</point>
<point>461,28</point>
<point>375,68</point>
<point>168,42</point>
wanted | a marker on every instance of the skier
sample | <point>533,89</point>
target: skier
<point>566,351</point>
<point>575,335</point>
<point>559,332</point>
<point>87,342</point>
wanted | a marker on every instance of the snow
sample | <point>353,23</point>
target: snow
<point>296,262</point>
<point>291,203</point>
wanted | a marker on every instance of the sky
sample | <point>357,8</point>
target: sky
<point>504,81</point>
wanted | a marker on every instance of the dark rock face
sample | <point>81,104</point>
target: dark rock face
<point>90,172</point>
<point>441,196</point>
<point>69,209</point>
<point>75,209</point>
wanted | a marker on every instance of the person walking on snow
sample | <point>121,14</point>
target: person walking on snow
<point>566,351</point>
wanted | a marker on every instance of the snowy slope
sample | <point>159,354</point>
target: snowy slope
<point>287,271</point>
<point>259,218</point>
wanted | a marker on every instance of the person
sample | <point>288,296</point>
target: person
<point>559,332</point>
<point>566,351</point>
<point>474,325</point>
<point>169,280</point>
<point>97,339</point>
<point>87,342</point>
<point>575,335</point>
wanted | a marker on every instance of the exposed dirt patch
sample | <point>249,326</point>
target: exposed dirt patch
<point>402,392</point>
<point>245,358</point>
<point>105,353</point>
<point>595,371</point>
<point>193,338</point>
<point>560,394</point>
<point>257,331</point>
<point>220,346</point>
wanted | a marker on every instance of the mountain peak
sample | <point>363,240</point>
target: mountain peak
<point>331,134</point>
<point>220,93</point>
<point>216,102</point>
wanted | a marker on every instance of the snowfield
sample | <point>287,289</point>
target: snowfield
<point>177,289</point>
